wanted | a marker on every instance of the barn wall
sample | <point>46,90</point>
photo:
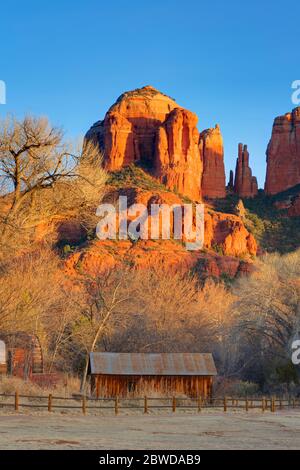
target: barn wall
<point>133,386</point>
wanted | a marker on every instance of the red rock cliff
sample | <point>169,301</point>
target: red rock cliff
<point>283,153</point>
<point>211,149</point>
<point>177,161</point>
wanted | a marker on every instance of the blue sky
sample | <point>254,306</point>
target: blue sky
<point>230,62</point>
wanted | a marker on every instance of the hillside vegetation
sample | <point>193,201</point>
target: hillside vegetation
<point>272,228</point>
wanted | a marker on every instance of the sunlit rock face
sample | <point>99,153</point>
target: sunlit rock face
<point>178,162</point>
<point>147,127</point>
<point>128,132</point>
<point>211,149</point>
<point>283,153</point>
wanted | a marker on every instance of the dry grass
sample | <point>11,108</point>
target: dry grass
<point>65,388</point>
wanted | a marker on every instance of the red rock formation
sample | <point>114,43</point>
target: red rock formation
<point>211,149</point>
<point>177,161</point>
<point>229,233</point>
<point>245,185</point>
<point>128,132</point>
<point>166,255</point>
<point>225,231</point>
<point>283,153</point>
<point>147,126</point>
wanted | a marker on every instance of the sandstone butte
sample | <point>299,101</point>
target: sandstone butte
<point>147,127</point>
<point>283,153</point>
<point>245,185</point>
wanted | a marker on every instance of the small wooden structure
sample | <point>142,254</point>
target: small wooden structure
<point>23,354</point>
<point>3,364</point>
<point>138,374</point>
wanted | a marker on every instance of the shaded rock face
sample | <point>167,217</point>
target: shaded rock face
<point>211,149</point>
<point>177,158</point>
<point>294,208</point>
<point>283,153</point>
<point>245,185</point>
<point>148,127</point>
<point>231,181</point>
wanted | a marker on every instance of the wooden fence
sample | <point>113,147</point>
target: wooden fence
<point>51,402</point>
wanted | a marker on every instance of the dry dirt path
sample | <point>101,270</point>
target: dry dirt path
<point>208,430</point>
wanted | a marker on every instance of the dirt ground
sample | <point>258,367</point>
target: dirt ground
<point>206,430</point>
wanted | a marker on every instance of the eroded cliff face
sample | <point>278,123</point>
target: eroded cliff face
<point>212,151</point>
<point>245,185</point>
<point>178,162</point>
<point>283,153</point>
<point>147,127</point>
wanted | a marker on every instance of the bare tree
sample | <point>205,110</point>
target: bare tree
<point>41,176</point>
<point>267,313</point>
<point>32,157</point>
<point>31,293</point>
<point>102,299</point>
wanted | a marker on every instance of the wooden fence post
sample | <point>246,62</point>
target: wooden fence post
<point>174,404</point>
<point>116,405</point>
<point>84,405</point>
<point>16,400</point>
<point>273,404</point>
<point>225,404</point>
<point>263,404</point>
<point>199,403</point>
<point>246,404</point>
<point>145,404</point>
<point>50,402</point>
<point>293,401</point>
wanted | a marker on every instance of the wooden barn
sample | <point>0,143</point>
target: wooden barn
<point>137,374</point>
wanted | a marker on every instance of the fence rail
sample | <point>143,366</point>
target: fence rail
<point>147,403</point>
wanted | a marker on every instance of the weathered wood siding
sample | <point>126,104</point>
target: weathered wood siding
<point>107,386</point>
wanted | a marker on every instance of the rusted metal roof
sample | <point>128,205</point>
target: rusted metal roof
<point>152,363</point>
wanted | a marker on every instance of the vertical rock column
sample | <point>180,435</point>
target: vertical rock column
<point>211,149</point>
<point>245,185</point>
<point>178,162</point>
